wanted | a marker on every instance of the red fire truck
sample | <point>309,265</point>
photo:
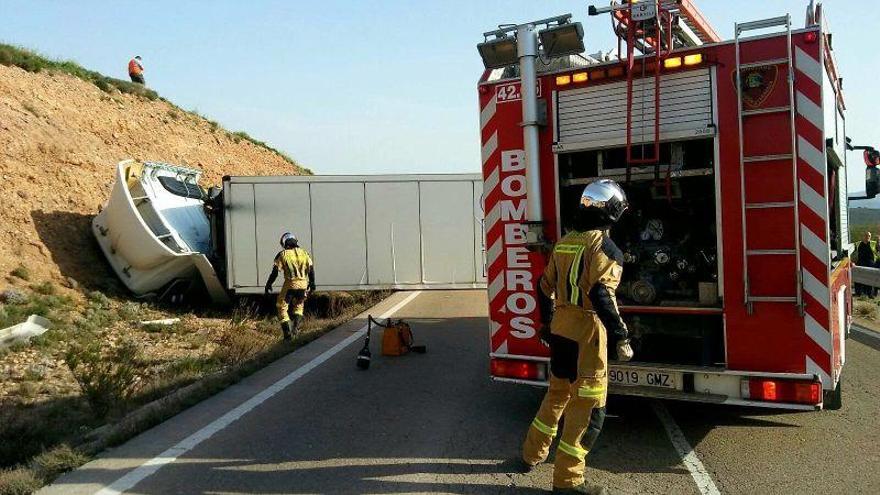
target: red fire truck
<point>736,285</point>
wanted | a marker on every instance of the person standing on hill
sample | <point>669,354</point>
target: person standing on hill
<point>136,70</point>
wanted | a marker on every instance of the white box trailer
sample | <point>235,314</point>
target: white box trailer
<point>364,232</point>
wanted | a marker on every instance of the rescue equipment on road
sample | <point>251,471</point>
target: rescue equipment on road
<point>397,340</point>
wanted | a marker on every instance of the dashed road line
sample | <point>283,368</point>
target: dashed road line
<point>688,457</point>
<point>150,467</point>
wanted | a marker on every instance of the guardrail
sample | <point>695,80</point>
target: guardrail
<point>866,275</point>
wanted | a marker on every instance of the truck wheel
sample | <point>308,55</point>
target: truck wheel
<point>833,399</point>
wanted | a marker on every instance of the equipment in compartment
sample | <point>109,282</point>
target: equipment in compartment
<point>665,258</point>
<point>669,234</point>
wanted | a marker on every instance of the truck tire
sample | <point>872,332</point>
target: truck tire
<point>833,399</point>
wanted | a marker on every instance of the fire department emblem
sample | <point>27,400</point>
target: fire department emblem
<point>757,84</point>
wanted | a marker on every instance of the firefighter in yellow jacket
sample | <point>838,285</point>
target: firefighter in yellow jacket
<point>299,280</point>
<point>583,273</point>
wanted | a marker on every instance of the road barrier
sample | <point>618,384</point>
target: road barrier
<point>866,275</point>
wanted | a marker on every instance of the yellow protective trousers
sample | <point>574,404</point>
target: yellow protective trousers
<point>290,302</point>
<point>578,391</point>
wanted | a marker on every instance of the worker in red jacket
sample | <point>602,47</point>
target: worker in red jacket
<point>583,273</point>
<point>136,70</point>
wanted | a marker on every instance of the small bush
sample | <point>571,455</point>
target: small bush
<point>20,481</point>
<point>46,288</point>
<point>53,463</point>
<point>131,311</point>
<point>107,379</point>
<point>238,342</point>
<point>21,272</point>
<point>865,309</point>
<point>31,109</point>
<point>98,299</point>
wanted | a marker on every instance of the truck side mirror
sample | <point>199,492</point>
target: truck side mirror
<point>872,173</point>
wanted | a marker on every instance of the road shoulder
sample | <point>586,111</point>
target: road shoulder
<point>117,462</point>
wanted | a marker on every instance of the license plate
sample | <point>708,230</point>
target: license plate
<point>646,378</point>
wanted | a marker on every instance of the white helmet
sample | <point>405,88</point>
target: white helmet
<point>288,240</point>
<point>607,197</point>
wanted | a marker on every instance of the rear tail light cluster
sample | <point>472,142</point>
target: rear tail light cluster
<point>521,370</point>
<point>787,391</point>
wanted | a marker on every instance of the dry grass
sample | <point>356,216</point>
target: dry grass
<point>865,308</point>
<point>19,481</point>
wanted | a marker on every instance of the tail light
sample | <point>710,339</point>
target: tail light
<point>521,370</point>
<point>788,391</point>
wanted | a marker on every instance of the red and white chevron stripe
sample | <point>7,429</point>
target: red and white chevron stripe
<point>813,210</point>
<point>492,172</point>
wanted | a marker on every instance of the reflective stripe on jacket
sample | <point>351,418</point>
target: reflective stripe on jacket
<point>579,261</point>
<point>295,264</point>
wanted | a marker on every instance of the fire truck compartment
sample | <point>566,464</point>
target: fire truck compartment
<point>670,288</point>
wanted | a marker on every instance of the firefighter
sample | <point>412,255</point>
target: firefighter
<point>136,70</point>
<point>583,273</point>
<point>299,280</point>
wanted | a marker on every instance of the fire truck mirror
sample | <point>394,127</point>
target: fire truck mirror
<point>872,182</point>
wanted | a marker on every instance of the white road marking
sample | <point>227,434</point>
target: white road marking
<point>148,468</point>
<point>866,333</point>
<point>688,457</point>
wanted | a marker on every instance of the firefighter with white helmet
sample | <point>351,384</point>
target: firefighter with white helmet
<point>299,280</point>
<point>583,273</point>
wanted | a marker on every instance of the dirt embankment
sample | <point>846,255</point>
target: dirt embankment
<point>60,140</point>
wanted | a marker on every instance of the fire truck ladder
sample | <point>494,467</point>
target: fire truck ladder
<point>745,117</point>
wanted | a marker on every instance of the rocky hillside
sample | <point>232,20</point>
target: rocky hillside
<point>60,139</point>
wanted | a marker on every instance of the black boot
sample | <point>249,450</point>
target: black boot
<point>295,323</point>
<point>285,329</point>
<point>583,488</point>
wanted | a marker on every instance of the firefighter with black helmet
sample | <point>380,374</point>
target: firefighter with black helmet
<point>299,280</point>
<point>582,273</point>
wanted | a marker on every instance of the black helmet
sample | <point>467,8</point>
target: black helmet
<point>602,203</point>
<point>289,241</point>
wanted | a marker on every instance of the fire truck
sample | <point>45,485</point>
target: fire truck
<point>737,276</point>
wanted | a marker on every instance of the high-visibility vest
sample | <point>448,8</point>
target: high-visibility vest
<point>134,67</point>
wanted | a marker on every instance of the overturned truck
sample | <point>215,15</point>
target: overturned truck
<point>165,235</point>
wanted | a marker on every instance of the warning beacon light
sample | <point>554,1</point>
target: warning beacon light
<point>498,52</point>
<point>565,39</point>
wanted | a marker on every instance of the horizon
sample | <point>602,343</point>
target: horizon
<point>403,98</point>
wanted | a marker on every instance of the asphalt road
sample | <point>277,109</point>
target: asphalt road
<point>434,423</point>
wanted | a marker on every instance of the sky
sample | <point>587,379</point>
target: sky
<point>350,87</point>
